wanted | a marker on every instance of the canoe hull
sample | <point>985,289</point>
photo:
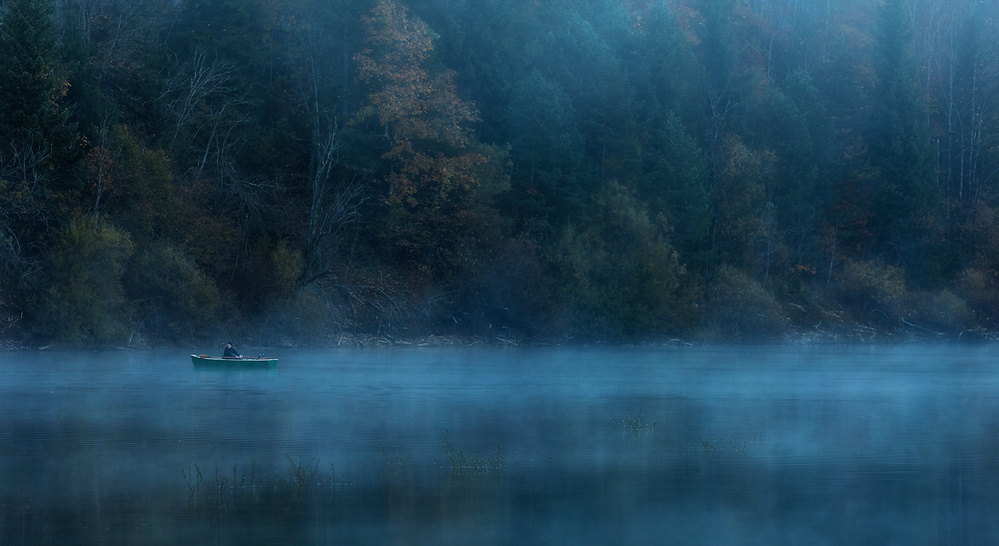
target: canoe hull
<point>205,361</point>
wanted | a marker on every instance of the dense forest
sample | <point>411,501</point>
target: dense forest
<point>309,171</point>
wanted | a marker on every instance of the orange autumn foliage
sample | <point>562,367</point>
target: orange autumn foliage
<point>423,116</point>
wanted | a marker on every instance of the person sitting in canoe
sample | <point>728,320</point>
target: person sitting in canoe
<point>230,351</point>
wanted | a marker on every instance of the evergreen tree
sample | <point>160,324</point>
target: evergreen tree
<point>30,90</point>
<point>905,197</point>
<point>36,141</point>
<point>547,146</point>
<point>39,189</point>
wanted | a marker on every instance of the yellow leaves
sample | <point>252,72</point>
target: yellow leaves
<point>802,269</point>
<point>399,44</point>
<point>440,175</point>
<point>430,179</point>
<point>874,281</point>
<point>422,114</point>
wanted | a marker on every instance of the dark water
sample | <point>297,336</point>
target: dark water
<point>676,445</point>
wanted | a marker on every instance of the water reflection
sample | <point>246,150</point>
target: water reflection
<point>768,445</point>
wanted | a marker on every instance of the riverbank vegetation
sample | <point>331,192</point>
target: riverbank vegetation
<point>297,171</point>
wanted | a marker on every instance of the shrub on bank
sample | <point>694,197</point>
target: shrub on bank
<point>84,302</point>
<point>877,292</point>
<point>174,297</point>
<point>738,307</point>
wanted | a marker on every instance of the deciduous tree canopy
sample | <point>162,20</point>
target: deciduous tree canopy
<point>622,169</point>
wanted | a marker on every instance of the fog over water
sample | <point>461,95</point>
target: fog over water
<point>671,445</point>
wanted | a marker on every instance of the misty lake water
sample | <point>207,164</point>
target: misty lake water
<point>668,445</point>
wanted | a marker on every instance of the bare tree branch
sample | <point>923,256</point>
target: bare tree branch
<point>334,205</point>
<point>192,83</point>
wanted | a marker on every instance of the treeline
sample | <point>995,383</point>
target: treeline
<point>301,170</point>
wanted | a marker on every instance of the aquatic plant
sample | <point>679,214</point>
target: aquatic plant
<point>464,465</point>
<point>741,442</point>
<point>636,426</point>
<point>205,494</point>
<point>217,494</point>
<point>304,476</point>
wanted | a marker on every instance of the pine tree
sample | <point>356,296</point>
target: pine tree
<point>36,139</point>
<point>905,198</point>
<point>29,88</point>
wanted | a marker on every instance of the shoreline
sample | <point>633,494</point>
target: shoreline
<point>859,335</point>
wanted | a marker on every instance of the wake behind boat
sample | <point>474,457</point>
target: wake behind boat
<point>206,361</point>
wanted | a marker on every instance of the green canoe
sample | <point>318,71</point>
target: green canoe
<point>205,361</point>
